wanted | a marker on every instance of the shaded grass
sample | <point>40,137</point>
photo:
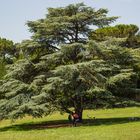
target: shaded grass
<point>129,131</point>
<point>110,124</point>
<point>65,123</point>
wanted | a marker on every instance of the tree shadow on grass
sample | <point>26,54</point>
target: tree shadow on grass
<point>65,123</point>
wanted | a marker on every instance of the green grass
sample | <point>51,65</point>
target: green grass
<point>110,124</point>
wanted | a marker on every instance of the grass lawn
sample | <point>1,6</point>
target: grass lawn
<point>109,124</point>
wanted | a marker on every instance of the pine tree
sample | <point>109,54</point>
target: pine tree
<point>80,74</point>
<point>68,24</point>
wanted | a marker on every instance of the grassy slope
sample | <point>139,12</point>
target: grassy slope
<point>111,124</point>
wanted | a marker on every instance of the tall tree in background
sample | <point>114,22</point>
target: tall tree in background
<point>6,48</point>
<point>2,69</point>
<point>129,32</point>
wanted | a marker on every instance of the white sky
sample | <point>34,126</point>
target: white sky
<point>15,13</point>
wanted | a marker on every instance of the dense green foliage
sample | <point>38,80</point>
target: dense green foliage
<point>5,46</point>
<point>2,69</point>
<point>7,50</point>
<point>129,32</point>
<point>81,74</point>
<point>68,24</point>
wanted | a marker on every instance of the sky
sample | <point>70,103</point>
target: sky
<point>15,13</point>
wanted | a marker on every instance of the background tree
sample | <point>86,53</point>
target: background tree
<point>6,48</point>
<point>129,32</point>
<point>2,69</point>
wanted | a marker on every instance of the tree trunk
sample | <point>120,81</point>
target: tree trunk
<point>80,113</point>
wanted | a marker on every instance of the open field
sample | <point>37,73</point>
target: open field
<point>110,124</point>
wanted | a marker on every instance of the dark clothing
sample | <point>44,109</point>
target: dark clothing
<point>75,119</point>
<point>70,118</point>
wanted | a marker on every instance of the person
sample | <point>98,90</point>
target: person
<point>75,118</point>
